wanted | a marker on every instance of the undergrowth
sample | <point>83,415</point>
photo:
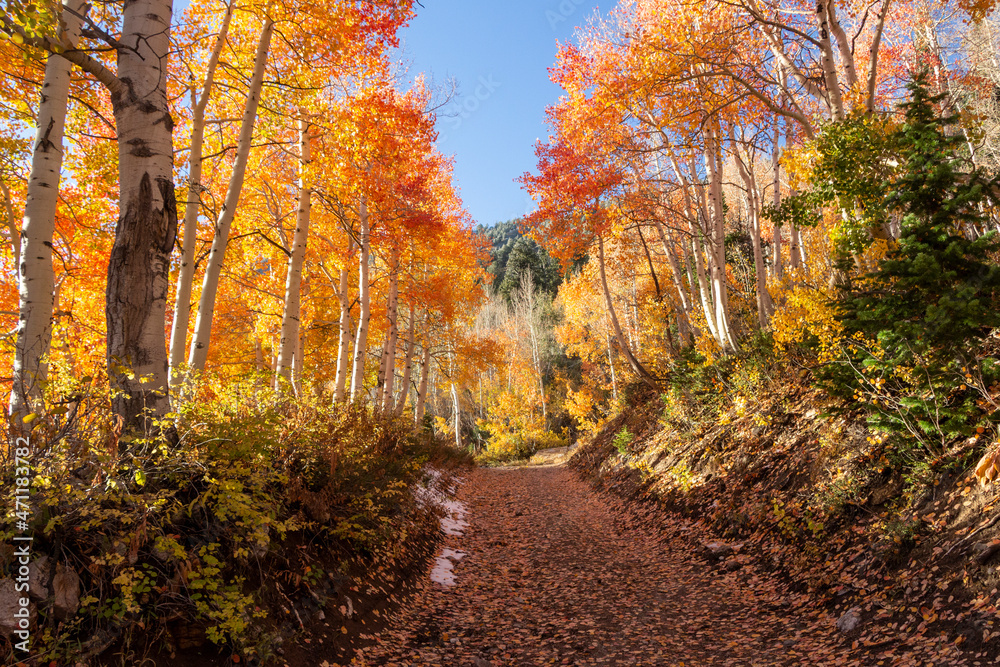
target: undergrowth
<point>241,490</point>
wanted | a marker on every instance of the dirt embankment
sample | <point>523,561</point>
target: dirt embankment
<point>906,567</point>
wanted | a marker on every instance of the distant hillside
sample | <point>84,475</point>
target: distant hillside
<point>513,254</point>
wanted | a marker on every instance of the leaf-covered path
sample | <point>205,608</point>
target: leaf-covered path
<point>556,574</point>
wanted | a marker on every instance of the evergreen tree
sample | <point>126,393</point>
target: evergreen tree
<point>915,324</point>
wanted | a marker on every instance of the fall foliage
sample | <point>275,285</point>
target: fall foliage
<point>245,311</point>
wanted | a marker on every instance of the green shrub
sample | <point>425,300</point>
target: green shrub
<point>622,441</point>
<point>914,328</point>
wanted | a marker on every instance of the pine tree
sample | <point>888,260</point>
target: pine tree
<point>916,323</point>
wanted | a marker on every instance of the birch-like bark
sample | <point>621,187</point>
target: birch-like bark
<point>33,247</point>
<point>425,369</point>
<point>611,364</point>
<point>717,241</point>
<point>298,364</point>
<point>210,285</point>
<point>364,296</point>
<point>776,262</point>
<point>13,226</point>
<point>346,333</point>
<point>411,341</point>
<point>385,402</point>
<point>527,299</point>
<point>458,417</point>
<point>291,317</point>
<point>873,54</point>
<point>827,61</point>
<point>843,45</point>
<point>765,307</point>
<point>139,262</point>
<point>640,370</point>
<point>794,246</point>
<point>185,275</point>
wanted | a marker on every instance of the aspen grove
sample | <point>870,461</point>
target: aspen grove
<point>247,319</point>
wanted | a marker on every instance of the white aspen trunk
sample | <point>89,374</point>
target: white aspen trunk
<point>765,306</point>
<point>458,417</point>
<point>425,369</point>
<point>210,285</point>
<point>298,364</point>
<point>694,205</point>
<point>827,61</point>
<point>364,292</point>
<point>717,238</point>
<point>185,275</point>
<point>776,261</point>
<point>611,364</point>
<point>291,317</point>
<point>843,45</point>
<point>346,334</point>
<point>139,262</point>
<point>411,341</point>
<point>873,54</point>
<point>704,285</point>
<point>528,297</point>
<point>794,259</point>
<point>684,328</point>
<point>33,247</point>
<point>385,401</point>
<point>640,370</point>
<point>13,228</point>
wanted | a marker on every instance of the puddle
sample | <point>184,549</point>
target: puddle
<point>443,570</point>
<point>452,523</point>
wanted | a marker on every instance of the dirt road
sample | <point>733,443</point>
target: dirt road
<point>553,573</point>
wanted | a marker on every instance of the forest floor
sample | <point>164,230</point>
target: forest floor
<point>551,572</point>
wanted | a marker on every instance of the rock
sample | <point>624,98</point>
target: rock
<point>732,566</point>
<point>849,620</point>
<point>719,550</point>
<point>39,578</point>
<point>479,662</point>
<point>66,589</point>
<point>983,552</point>
<point>10,605</point>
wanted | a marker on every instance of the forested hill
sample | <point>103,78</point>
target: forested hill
<point>513,254</point>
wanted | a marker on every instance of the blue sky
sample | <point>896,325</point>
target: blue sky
<point>498,53</point>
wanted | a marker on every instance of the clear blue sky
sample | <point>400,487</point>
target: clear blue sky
<point>499,54</point>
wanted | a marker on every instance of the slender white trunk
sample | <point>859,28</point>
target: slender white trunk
<point>411,341</point>
<point>346,334</point>
<point>794,246</point>
<point>291,317</point>
<point>717,240</point>
<point>458,417</point>
<point>298,365</point>
<point>36,276</point>
<point>13,226</point>
<point>684,307</point>
<point>619,336</point>
<point>765,306</point>
<point>210,285</point>
<point>364,292</point>
<point>425,369</point>
<point>776,265</point>
<point>611,364</point>
<point>392,336</point>
<point>827,61</point>
<point>185,275</point>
